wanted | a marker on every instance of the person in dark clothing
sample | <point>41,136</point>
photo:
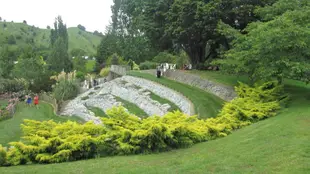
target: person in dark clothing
<point>158,73</point>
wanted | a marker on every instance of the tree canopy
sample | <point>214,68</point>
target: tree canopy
<point>277,48</point>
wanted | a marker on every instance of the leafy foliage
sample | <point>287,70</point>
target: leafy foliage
<point>278,48</point>
<point>165,57</point>
<point>148,65</point>
<point>13,85</point>
<point>66,87</point>
<point>59,59</point>
<point>104,72</point>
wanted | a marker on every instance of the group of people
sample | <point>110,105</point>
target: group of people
<point>35,100</point>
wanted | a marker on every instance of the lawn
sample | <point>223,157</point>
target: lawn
<point>98,112</point>
<point>132,108</point>
<point>173,107</point>
<point>206,104</point>
<point>10,129</point>
<point>220,77</point>
<point>276,145</point>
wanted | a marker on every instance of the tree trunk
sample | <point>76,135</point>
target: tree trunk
<point>196,54</point>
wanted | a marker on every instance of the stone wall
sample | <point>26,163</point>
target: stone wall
<point>224,92</point>
<point>132,89</point>
<point>181,101</point>
<point>120,69</point>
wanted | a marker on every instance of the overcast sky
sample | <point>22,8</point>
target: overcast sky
<point>93,14</point>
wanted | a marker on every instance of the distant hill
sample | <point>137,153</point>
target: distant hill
<point>18,34</point>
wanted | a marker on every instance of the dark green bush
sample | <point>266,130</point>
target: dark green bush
<point>148,65</point>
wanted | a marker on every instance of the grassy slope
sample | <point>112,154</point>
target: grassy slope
<point>219,77</point>
<point>276,145</point>
<point>10,129</point>
<point>206,104</point>
<point>173,107</point>
<point>132,108</point>
<point>86,41</point>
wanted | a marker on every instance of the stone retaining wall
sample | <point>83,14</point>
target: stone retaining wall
<point>224,92</point>
<point>181,101</point>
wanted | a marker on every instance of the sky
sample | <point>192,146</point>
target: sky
<point>93,14</point>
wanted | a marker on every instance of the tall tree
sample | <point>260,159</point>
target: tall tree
<point>59,59</point>
<point>275,49</point>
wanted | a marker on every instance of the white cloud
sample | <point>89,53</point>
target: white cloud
<point>93,14</point>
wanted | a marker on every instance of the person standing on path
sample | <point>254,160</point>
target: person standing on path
<point>29,100</point>
<point>36,100</point>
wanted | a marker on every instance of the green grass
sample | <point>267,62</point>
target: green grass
<point>10,129</point>
<point>98,112</point>
<point>132,108</point>
<point>276,145</point>
<point>78,39</point>
<point>155,97</point>
<point>220,77</point>
<point>3,102</point>
<point>206,104</point>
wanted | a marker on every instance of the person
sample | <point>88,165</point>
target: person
<point>36,100</point>
<point>29,100</point>
<point>158,72</point>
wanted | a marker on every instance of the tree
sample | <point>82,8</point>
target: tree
<point>59,59</point>
<point>0,18</point>
<point>79,64</point>
<point>278,48</point>
<point>48,27</point>
<point>60,30</point>
<point>6,62</point>
<point>77,52</point>
<point>11,40</point>
<point>189,25</point>
<point>24,21</point>
<point>107,47</point>
<point>34,70</point>
<point>81,27</point>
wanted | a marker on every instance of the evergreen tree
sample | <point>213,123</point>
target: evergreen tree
<point>59,59</point>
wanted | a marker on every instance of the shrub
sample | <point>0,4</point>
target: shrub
<point>148,65</point>
<point>182,59</point>
<point>13,85</point>
<point>165,57</point>
<point>123,133</point>
<point>66,87</point>
<point>104,72</point>
<point>2,156</point>
<point>115,59</point>
<point>80,75</point>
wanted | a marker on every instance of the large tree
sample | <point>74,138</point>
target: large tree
<point>59,59</point>
<point>187,24</point>
<point>275,49</point>
<point>33,68</point>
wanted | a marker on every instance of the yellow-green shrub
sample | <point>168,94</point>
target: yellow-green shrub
<point>123,133</point>
<point>2,156</point>
<point>104,72</point>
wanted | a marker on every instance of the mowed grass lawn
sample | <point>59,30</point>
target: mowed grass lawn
<point>220,77</point>
<point>206,104</point>
<point>276,145</point>
<point>10,129</point>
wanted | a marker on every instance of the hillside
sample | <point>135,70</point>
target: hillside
<point>25,34</point>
